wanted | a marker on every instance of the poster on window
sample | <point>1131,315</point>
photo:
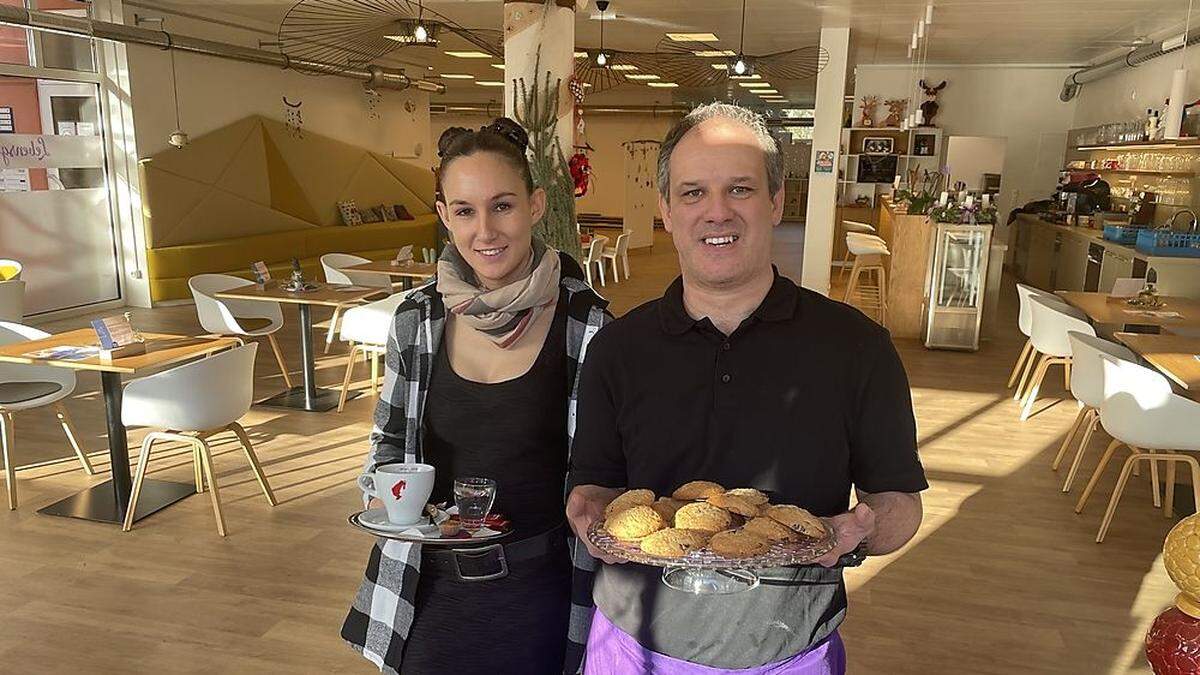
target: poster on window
<point>35,151</point>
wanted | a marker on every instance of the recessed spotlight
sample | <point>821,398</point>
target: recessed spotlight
<point>489,83</point>
<point>662,85</point>
<point>457,76</point>
<point>715,53</point>
<point>692,37</point>
<point>624,66</point>
<point>641,76</point>
<point>469,55</point>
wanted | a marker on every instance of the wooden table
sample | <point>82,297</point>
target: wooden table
<point>108,501</point>
<point>413,270</point>
<point>306,397</point>
<point>1175,355</point>
<point>1116,311</point>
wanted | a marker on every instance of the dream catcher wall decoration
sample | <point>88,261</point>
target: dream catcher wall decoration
<point>580,166</point>
<point>293,118</point>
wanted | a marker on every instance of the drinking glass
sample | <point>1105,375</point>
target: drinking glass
<point>474,497</point>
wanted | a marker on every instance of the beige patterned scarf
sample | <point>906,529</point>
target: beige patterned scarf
<point>503,313</point>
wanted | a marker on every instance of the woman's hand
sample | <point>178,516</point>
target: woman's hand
<point>585,506</point>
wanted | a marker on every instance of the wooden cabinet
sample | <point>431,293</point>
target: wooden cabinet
<point>1072,262</point>
<point>1041,259</point>
<point>1115,266</point>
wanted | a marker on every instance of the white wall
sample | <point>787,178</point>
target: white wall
<point>214,92</point>
<point>605,133</point>
<point>1126,94</point>
<point>1017,103</point>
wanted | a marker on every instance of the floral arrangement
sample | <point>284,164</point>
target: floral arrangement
<point>921,192</point>
<point>974,213</point>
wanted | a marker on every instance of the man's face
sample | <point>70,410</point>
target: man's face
<point>721,213</point>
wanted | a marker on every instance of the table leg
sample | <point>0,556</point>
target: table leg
<point>408,282</point>
<point>108,501</point>
<point>307,397</point>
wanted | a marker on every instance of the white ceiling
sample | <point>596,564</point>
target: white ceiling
<point>964,31</point>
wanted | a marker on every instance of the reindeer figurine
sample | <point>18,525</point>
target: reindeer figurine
<point>929,109</point>
<point>869,104</point>
<point>896,109</point>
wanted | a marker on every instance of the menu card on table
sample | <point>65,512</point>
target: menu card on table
<point>118,337</point>
<point>261,274</point>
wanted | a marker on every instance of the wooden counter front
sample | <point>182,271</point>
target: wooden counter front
<point>908,238</point>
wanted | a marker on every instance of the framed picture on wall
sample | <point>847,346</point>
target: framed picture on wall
<point>878,145</point>
<point>923,145</point>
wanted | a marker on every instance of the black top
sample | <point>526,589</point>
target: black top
<point>514,432</point>
<point>806,399</point>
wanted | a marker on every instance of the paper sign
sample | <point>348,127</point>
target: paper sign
<point>1127,287</point>
<point>115,331</point>
<point>823,162</point>
<point>64,353</point>
<point>261,274</point>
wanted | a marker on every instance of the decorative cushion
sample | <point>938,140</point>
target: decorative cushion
<point>389,212</point>
<point>20,392</point>
<point>402,213</point>
<point>350,214</point>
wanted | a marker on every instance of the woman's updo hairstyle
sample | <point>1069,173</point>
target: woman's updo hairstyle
<point>501,136</point>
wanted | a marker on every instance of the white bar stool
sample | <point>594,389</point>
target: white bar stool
<point>857,227</point>
<point>868,277</point>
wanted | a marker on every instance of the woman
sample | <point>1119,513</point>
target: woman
<point>480,381</point>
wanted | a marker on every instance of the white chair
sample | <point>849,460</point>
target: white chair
<point>336,274</point>
<point>189,404</point>
<point>366,329</point>
<point>857,227</point>
<point>867,288</point>
<point>1087,386</point>
<point>25,387</point>
<point>595,257</point>
<point>12,300</point>
<point>252,318</point>
<point>1050,323</point>
<point>621,250</point>
<point>1142,412</point>
<point>1024,322</point>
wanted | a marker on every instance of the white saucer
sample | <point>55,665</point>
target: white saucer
<point>377,519</point>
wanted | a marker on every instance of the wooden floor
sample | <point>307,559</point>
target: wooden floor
<point>1002,578</point>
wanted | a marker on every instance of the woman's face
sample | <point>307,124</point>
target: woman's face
<point>490,215</point>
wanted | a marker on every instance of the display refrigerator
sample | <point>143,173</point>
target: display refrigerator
<point>957,282</point>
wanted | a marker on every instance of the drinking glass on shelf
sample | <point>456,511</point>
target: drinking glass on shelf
<point>474,498</point>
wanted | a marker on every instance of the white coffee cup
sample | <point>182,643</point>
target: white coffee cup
<point>404,490</point>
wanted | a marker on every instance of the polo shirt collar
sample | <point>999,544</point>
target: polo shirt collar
<point>779,305</point>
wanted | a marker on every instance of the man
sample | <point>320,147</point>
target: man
<point>738,376</point>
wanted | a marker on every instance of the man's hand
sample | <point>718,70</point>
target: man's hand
<point>851,529</point>
<point>585,505</point>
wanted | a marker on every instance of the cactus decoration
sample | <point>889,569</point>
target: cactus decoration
<point>536,109</point>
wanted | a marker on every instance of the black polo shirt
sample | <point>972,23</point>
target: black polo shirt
<point>806,399</point>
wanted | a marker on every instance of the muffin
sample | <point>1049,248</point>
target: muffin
<point>697,489</point>
<point>751,495</point>
<point>702,516</point>
<point>770,529</point>
<point>634,523</point>
<point>798,520</point>
<point>667,507</point>
<point>674,543</point>
<point>628,499</point>
<point>738,544</point>
<point>734,504</point>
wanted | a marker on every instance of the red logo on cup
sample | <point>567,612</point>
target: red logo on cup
<point>398,488</point>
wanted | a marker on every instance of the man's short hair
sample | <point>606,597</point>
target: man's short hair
<point>772,155</point>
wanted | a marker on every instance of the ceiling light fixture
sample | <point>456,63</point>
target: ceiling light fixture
<point>489,83</point>
<point>662,85</point>
<point>581,55</point>
<point>625,66</point>
<point>457,76</point>
<point>498,66</point>
<point>469,55</point>
<point>601,57</point>
<point>714,53</point>
<point>420,33</point>
<point>641,76</point>
<point>740,65</point>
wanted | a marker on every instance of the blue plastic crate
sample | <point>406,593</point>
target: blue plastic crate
<point>1121,234</point>
<point>1167,243</point>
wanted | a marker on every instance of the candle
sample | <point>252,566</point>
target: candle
<point>987,200</point>
<point>896,183</point>
<point>944,198</point>
<point>970,201</point>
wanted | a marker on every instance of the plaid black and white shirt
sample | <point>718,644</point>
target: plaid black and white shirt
<point>382,614</point>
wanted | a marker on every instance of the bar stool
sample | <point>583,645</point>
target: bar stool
<point>871,293</point>
<point>1142,412</point>
<point>857,227</point>
<point>1050,324</point>
<point>1087,386</point>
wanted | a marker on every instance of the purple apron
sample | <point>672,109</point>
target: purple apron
<point>611,651</point>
